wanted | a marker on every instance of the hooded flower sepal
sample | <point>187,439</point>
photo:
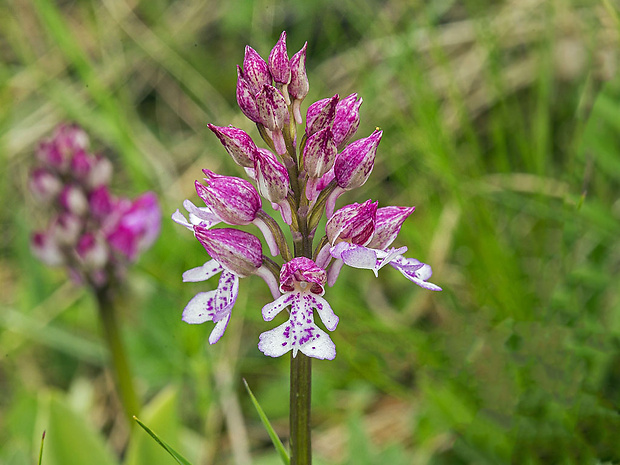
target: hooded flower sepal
<point>302,281</point>
<point>213,305</point>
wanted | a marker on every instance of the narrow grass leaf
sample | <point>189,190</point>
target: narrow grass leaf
<point>175,455</point>
<point>272,434</point>
<point>41,449</point>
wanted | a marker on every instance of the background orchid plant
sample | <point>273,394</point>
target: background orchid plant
<point>302,178</point>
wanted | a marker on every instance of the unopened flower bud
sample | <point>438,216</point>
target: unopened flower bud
<point>347,119</point>
<point>355,163</point>
<point>387,225</point>
<point>353,223</point>
<point>272,110</point>
<point>255,70</point>
<point>299,85</point>
<point>67,228</point>
<point>271,176</point>
<point>72,199</point>
<point>100,173</point>
<point>237,251</point>
<point>279,63</point>
<point>237,143</point>
<point>319,153</point>
<point>46,249</point>
<point>234,200</point>
<point>246,98</point>
<point>93,251</point>
<point>321,114</point>
<point>44,184</point>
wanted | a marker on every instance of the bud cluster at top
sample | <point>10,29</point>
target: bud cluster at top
<point>301,175</point>
<point>91,232</point>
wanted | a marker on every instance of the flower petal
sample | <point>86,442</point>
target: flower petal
<point>272,309</point>
<point>219,329</point>
<point>327,315</point>
<point>274,343</point>
<point>202,273</point>
<point>416,272</point>
<point>227,292</point>
<point>200,309</point>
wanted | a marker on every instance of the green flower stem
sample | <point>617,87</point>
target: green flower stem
<point>301,383</point>
<point>122,373</point>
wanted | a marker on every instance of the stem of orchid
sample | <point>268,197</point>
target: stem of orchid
<point>301,383</point>
<point>120,365</point>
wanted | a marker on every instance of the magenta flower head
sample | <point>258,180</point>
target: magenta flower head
<point>234,200</point>
<point>90,232</point>
<point>321,114</point>
<point>237,143</point>
<point>320,153</point>
<point>279,63</point>
<point>355,163</point>
<point>237,251</point>
<point>302,174</point>
<point>388,222</point>
<point>347,119</point>
<point>298,87</point>
<point>353,223</point>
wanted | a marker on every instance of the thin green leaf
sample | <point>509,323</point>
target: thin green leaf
<point>272,434</point>
<point>175,455</point>
<point>41,449</point>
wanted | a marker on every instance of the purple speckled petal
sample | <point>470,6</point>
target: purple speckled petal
<point>388,222</point>
<point>272,309</point>
<point>416,272</point>
<point>279,64</point>
<point>202,273</point>
<point>227,292</point>
<point>321,114</point>
<point>327,315</point>
<point>218,330</point>
<point>299,332</point>
<point>255,70</point>
<point>200,309</point>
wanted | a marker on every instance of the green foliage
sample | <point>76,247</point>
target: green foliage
<point>501,125</point>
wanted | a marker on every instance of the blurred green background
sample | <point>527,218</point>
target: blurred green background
<point>501,124</point>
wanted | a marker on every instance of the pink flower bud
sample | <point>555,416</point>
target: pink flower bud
<point>255,70</point>
<point>100,173</point>
<point>237,143</point>
<point>279,64</point>
<point>387,225</point>
<point>93,251</point>
<point>353,223</point>
<point>73,199</point>
<point>46,249</point>
<point>347,119</point>
<point>355,163</point>
<point>271,176</point>
<point>246,98</point>
<point>301,272</point>
<point>66,228</point>
<point>320,153</point>
<point>272,110</point>
<point>44,184</point>
<point>237,251</point>
<point>234,200</point>
<point>299,86</point>
<point>321,114</point>
<point>100,202</point>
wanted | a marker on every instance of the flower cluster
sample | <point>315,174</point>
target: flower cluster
<point>91,232</point>
<point>301,182</point>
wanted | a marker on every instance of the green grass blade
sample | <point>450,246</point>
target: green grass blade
<point>272,434</point>
<point>41,449</point>
<point>175,455</point>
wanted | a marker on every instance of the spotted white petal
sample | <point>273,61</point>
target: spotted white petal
<point>227,292</point>
<point>202,273</point>
<point>327,315</point>
<point>200,309</point>
<point>218,330</point>
<point>272,309</point>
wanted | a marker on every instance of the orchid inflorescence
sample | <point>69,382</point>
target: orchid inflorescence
<point>92,233</point>
<point>301,182</point>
